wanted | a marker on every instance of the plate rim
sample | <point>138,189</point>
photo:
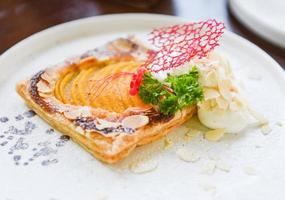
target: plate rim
<point>252,48</point>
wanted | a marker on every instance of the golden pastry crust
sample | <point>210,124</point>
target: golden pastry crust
<point>64,97</point>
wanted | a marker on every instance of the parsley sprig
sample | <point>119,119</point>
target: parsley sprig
<point>175,93</point>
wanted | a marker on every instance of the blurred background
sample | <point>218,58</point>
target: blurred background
<point>21,18</point>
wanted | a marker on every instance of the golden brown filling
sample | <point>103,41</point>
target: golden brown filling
<point>87,86</point>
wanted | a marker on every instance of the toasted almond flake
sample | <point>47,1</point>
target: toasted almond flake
<point>167,143</point>
<point>222,103</point>
<point>210,94</point>
<point>85,111</point>
<point>209,168</point>
<point>79,130</point>
<point>43,87</point>
<point>213,103</point>
<point>191,134</point>
<point>215,135</point>
<point>106,124</point>
<point>223,166</point>
<point>144,166</point>
<point>210,80</point>
<point>187,155</point>
<point>239,99</point>
<point>49,75</point>
<point>265,129</point>
<point>259,117</point>
<point>71,113</point>
<point>204,105</point>
<point>249,170</point>
<point>220,73</point>
<point>44,95</point>
<point>234,106</point>
<point>225,89</point>
<point>135,121</point>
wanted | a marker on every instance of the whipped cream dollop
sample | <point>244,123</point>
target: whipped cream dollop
<point>224,106</point>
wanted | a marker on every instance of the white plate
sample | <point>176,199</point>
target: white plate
<point>266,18</point>
<point>63,170</point>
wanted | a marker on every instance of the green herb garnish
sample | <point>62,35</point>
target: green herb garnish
<point>175,93</point>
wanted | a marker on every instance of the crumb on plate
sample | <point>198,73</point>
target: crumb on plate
<point>167,143</point>
<point>187,155</point>
<point>265,129</point>
<point>215,135</point>
<point>143,166</point>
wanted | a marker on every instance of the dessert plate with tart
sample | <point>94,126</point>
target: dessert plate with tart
<point>155,101</point>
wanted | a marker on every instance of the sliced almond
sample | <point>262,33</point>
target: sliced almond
<point>259,117</point>
<point>191,134</point>
<point>73,113</point>
<point>210,80</point>
<point>167,143</point>
<point>233,106</point>
<point>225,89</point>
<point>210,93</point>
<point>49,75</point>
<point>265,129</point>
<point>85,111</point>
<point>222,103</point>
<point>43,87</point>
<point>215,135</point>
<point>106,124</point>
<point>135,121</point>
<point>206,105</point>
<point>213,103</point>
<point>187,155</point>
<point>44,95</point>
<point>223,166</point>
<point>143,166</point>
<point>79,130</point>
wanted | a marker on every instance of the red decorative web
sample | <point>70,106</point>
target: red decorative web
<point>178,44</point>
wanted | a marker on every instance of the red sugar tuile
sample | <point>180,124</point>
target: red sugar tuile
<point>178,44</point>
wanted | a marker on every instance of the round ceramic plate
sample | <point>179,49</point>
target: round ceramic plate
<point>265,18</point>
<point>37,163</point>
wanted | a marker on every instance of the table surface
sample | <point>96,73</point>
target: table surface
<point>21,18</point>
